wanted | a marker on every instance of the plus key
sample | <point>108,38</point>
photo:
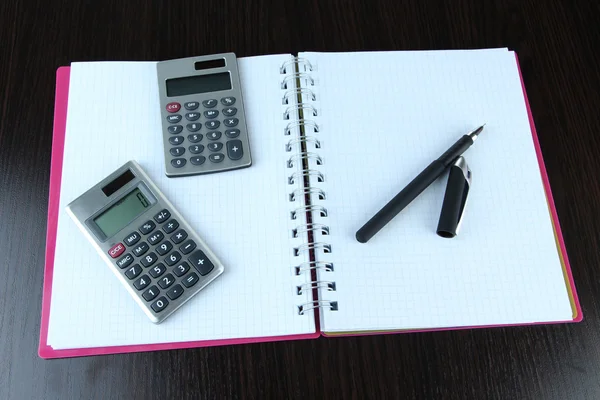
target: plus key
<point>234,149</point>
<point>202,264</point>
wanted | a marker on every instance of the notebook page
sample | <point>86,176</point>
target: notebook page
<point>383,117</point>
<point>243,216</point>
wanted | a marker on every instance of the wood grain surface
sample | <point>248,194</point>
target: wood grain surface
<point>557,43</point>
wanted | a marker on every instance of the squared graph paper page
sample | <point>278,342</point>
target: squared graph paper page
<point>384,117</point>
<point>243,215</point>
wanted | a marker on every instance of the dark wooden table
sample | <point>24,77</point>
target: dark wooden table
<point>557,43</point>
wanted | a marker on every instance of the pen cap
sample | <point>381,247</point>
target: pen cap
<point>455,199</point>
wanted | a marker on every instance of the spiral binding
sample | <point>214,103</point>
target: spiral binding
<point>299,113</point>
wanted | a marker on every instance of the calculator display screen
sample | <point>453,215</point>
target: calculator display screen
<point>198,84</point>
<point>120,214</point>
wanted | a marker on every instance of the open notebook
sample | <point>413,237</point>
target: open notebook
<point>368,122</point>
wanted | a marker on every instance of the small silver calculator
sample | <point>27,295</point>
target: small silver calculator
<point>203,116</point>
<point>145,241</point>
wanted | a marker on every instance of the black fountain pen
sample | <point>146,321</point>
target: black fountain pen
<point>416,186</point>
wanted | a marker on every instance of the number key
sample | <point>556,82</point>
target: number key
<point>142,282</point>
<point>133,271</point>
<point>195,138</point>
<point>151,293</point>
<point>196,148</point>
<point>164,248</point>
<point>173,258</point>
<point>157,270</point>
<point>166,281</point>
<point>156,237</point>
<point>181,269</point>
<point>149,259</point>
<point>160,304</point>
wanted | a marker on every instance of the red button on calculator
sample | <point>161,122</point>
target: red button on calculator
<point>116,250</point>
<point>173,107</point>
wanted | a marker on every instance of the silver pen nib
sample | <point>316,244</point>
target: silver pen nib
<point>476,132</point>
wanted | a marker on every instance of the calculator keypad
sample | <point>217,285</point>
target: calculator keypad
<point>164,265</point>
<point>207,116</point>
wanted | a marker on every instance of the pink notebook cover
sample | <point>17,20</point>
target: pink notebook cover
<point>46,351</point>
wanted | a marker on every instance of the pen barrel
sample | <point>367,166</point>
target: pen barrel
<point>400,201</point>
<point>456,150</point>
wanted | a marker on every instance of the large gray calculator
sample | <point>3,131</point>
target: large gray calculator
<point>203,116</point>
<point>145,241</point>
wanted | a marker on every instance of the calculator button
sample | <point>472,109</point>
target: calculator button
<point>162,216</point>
<point>116,250</point>
<point>212,124</point>
<point>191,105</point>
<point>232,133</point>
<point>160,304</point>
<point>147,227</point>
<point>216,158</point>
<point>177,151</point>
<point>149,259</point>
<point>171,226</point>
<point>173,119</point>
<point>181,269</point>
<point>175,129</point>
<point>193,116</point>
<point>175,292</point>
<point>187,247</point>
<point>173,107</point>
<point>133,271</point>
<point>173,258</point>
<point>142,282</point>
<point>132,238</point>
<point>199,160</point>
<point>190,280</point>
<point>215,146</point>
<point>195,138</point>
<point>178,162</point>
<point>175,140</point>
<point>196,149</point>
<point>166,281</point>
<point>215,135</point>
<point>199,260</point>
<point>164,248</point>
<point>210,114</point>
<point>157,270</point>
<point>156,237</point>
<point>230,111</point>
<point>194,127</point>
<point>209,103</point>
<point>151,293</point>
<point>234,149</point>
<point>228,101</point>
<point>179,236</point>
<point>125,261</point>
<point>231,122</point>
<point>141,249</point>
